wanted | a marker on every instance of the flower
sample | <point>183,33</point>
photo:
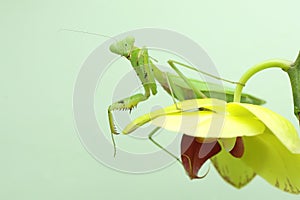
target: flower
<point>240,139</point>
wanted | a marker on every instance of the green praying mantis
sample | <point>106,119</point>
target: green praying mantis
<point>178,86</point>
<point>253,141</point>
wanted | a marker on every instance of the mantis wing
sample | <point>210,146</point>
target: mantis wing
<point>182,91</point>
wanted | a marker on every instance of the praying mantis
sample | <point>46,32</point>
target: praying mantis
<point>234,167</point>
<point>178,86</point>
<point>181,88</point>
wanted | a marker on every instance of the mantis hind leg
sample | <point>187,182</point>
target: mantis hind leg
<point>160,146</point>
<point>196,90</point>
<point>173,62</point>
<point>171,154</point>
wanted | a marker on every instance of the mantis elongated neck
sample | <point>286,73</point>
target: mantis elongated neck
<point>283,64</point>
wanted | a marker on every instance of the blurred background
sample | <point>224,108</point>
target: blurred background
<point>41,154</point>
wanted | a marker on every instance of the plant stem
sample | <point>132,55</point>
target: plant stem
<point>283,64</point>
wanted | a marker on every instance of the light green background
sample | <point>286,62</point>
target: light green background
<point>41,154</point>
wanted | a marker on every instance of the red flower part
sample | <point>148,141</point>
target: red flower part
<point>195,153</point>
<point>238,149</point>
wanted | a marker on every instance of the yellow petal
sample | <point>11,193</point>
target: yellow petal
<point>270,159</point>
<point>185,117</point>
<point>207,124</point>
<point>183,106</point>
<point>282,128</point>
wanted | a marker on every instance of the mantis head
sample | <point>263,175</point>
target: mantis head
<point>123,47</point>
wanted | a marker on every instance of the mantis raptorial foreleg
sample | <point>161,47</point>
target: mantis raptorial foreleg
<point>141,63</point>
<point>125,104</point>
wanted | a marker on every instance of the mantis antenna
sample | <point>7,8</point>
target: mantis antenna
<point>89,33</point>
